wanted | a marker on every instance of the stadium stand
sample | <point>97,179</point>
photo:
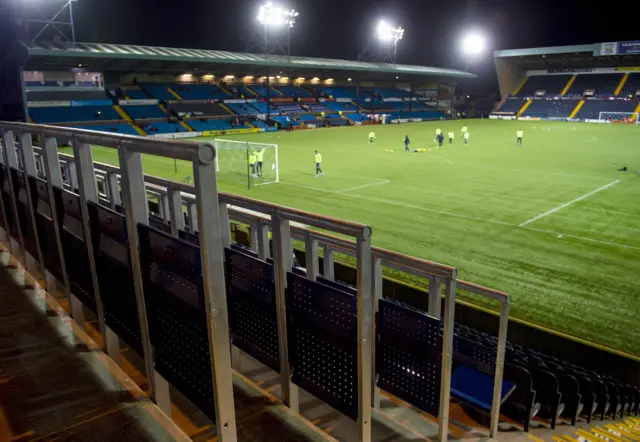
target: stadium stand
<point>259,124</point>
<point>604,85</point>
<point>340,106</point>
<point>592,108</point>
<point>200,91</point>
<point>159,91</point>
<point>311,119</point>
<point>261,107</point>
<point>547,108</point>
<point>220,124</point>
<point>262,91</point>
<point>337,91</point>
<point>317,108</point>
<point>356,117</point>
<point>121,128</point>
<point>294,91</point>
<point>66,94</point>
<point>242,108</point>
<point>282,120</point>
<point>631,87</point>
<point>375,106</point>
<point>289,108</point>
<point>552,85</point>
<point>73,114</point>
<point>512,105</point>
<point>206,109</point>
<point>162,127</point>
<point>425,115</point>
<point>144,112</point>
<point>132,92</point>
<point>239,91</point>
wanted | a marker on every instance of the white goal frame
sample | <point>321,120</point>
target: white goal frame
<point>247,146</point>
<point>629,114</point>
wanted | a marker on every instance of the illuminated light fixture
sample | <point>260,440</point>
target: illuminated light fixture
<point>276,16</point>
<point>348,79</point>
<point>80,65</point>
<point>187,75</point>
<point>301,78</point>
<point>388,33</point>
<point>315,79</point>
<point>278,77</point>
<point>248,77</point>
<point>329,79</point>
<point>229,76</point>
<point>285,78</point>
<point>473,44</point>
<point>397,77</point>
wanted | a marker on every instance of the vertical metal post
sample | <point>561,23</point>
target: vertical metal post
<point>89,192</point>
<point>54,179</point>
<point>435,297</point>
<point>376,295</point>
<point>136,211</point>
<point>225,227</point>
<point>254,229</point>
<point>497,380</point>
<point>193,216</point>
<point>163,205</point>
<point>447,356</point>
<point>112,190</point>
<point>263,240</point>
<point>176,217</point>
<point>72,175</point>
<point>29,163</point>
<point>11,162</point>
<point>311,258</point>
<point>363,256</point>
<point>212,256</point>
<point>282,264</point>
<point>328,267</point>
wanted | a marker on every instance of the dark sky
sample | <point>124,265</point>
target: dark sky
<point>342,28</point>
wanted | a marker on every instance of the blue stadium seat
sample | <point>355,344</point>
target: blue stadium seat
<point>293,91</point>
<point>551,84</point>
<point>337,91</point>
<point>592,108</point>
<point>344,106</point>
<point>121,128</point>
<point>200,92</point>
<point>547,108</point>
<point>144,111</point>
<point>631,87</point>
<point>512,105</point>
<point>162,127</point>
<point>242,108</point>
<point>222,124</point>
<point>73,114</point>
<point>603,84</point>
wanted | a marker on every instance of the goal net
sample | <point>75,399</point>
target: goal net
<point>620,117</point>
<point>233,162</point>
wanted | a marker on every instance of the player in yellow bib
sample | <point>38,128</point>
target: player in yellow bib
<point>318,161</point>
<point>259,158</point>
<point>519,135</point>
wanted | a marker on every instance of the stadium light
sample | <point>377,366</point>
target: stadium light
<point>473,44</point>
<point>276,16</point>
<point>388,33</point>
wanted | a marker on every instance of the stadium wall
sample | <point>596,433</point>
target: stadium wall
<point>569,348</point>
<point>509,76</point>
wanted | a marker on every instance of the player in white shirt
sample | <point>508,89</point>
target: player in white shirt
<point>519,135</point>
<point>451,137</point>
<point>466,138</point>
<point>372,137</point>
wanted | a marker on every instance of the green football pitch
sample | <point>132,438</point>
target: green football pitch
<point>553,223</point>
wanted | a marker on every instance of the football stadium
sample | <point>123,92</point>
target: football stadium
<point>200,244</point>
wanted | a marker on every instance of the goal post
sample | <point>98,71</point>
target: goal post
<point>620,117</point>
<point>233,162</point>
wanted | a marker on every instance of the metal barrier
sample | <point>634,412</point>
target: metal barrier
<point>263,218</point>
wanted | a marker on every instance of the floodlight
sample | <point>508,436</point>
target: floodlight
<point>276,16</point>
<point>388,33</point>
<point>473,44</point>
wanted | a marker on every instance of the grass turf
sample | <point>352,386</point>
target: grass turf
<point>574,269</point>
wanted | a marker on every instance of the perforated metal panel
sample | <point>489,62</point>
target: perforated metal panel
<point>252,307</point>
<point>76,255</point>
<point>469,352</point>
<point>322,336</point>
<point>46,231</point>
<point>24,216</point>
<point>409,355</point>
<point>174,298</point>
<point>6,199</point>
<point>111,248</point>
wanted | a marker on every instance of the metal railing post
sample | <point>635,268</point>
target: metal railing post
<point>435,298</point>
<point>11,162</point>
<point>311,258</point>
<point>72,175</point>
<point>192,210</point>
<point>88,191</point>
<point>176,217</point>
<point>363,256</point>
<point>224,226</point>
<point>53,177</point>
<point>136,211</point>
<point>254,229</point>
<point>283,264</point>
<point>29,164</point>
<point>212,255</point>
<point>497,380</point>
<point>263,240</point>
<point>376,295</point>
<point>112,190</point>
<point>447,357</point>
<point>328,267</point>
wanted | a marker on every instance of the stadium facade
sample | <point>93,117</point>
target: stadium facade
<point>593,83</point>
<point>188,92</point>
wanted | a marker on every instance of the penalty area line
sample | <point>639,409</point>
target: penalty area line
<point>562,206</point>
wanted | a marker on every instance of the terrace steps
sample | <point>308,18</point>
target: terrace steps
<point>125,116</point>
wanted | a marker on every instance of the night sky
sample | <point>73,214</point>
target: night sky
<point>343,28</point>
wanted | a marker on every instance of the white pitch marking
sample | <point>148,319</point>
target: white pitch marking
<point>362,187</point>
<point>541,172</point>
<point>562,206</point>
<point>443,159</point>
<point>583,238</point>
